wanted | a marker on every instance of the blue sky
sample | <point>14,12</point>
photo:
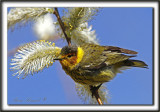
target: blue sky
<point>129,28</point>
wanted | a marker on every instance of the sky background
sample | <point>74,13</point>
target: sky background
<point>129,28</point>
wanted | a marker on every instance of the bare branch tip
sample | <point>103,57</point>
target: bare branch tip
<point>95,93</point>
<point>62,25</point>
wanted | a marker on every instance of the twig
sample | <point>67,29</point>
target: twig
<point>62,26</point>
<point>95,93</point>
<point>98,97</point>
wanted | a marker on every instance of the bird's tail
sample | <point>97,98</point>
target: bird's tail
<point>123,65</point>
<point>135,63</point>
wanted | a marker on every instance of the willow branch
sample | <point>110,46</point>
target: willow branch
<point>95,93</point>
<point>62,26</point>
<point>98,97</point>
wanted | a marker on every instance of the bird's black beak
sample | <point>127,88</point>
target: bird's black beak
<point>58,58</point>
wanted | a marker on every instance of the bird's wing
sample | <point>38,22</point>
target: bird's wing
<point>117,54</point>
<point>96,56</point>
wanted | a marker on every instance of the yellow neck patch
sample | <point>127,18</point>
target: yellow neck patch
<point>78,58</point>
<point>79,55</point>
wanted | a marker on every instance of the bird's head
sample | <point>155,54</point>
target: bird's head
<point>70,56</point>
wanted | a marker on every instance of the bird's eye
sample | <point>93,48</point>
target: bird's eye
<point>69,56</point>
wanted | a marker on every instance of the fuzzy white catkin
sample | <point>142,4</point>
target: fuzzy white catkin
<point>24,15</point>
<point>78,15</point>
<point>78,29</point>
<point>84,33</point>
<point>44,27</point>
<point>85,94</point>
<point>33,57</point>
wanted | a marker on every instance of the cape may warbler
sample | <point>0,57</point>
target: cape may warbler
<point>93,64</point>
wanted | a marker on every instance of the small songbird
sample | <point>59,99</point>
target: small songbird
<point>92,64</point>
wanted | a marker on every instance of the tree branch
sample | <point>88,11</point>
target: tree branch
<point>95,93</point>
<point>62,26</point>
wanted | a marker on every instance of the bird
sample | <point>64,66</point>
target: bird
<point>89,65</point>
<point>93,65</point>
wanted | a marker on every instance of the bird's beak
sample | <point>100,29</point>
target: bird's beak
<point>59,58</point>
